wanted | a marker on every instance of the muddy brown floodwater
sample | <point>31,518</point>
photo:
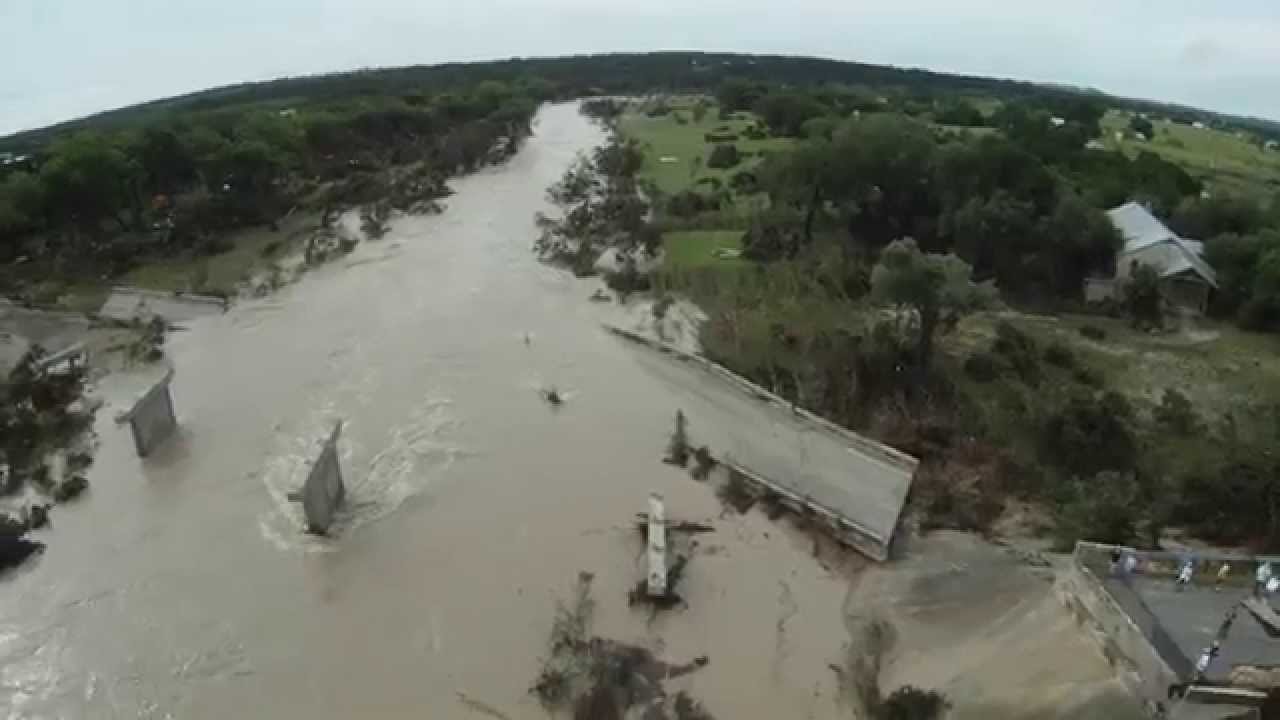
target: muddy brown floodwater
<point>185,587</point>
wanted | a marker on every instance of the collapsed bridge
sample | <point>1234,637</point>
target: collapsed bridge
<point>857,487</point>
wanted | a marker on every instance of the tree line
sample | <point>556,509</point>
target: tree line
<point>94,201</point>
<point>883,229</point>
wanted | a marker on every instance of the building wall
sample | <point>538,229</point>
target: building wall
<point>1188,292</point>
<point>1099,290</point>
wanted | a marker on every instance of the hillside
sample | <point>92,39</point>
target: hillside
<point>606,73</point>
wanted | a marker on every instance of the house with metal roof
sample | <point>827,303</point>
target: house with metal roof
<point>1186,280</point>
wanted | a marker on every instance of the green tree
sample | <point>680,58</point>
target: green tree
<point>1100,509</point>
<point>881,172</point>
<point>723,156</point>
<point>738,94</point>
<point>166,162</point>
<point>930,286</point>
<point>21,206</point>
<point>1143,126</point>
<point>1142,298</point>
<point>89,178</point>
<point>1075,241</point>
<point>994,234</point>
<point>1262,310</point>
<point>1089,434</point>
<point>822,127</point>
<point>785,112</point>
<point>960,113</point>
<point>1235,259</point>
<point>1220,214</point>
<point>700,110</point>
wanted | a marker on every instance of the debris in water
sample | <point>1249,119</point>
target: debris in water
<point>601,679</point>
<point>600,296</point>
<point>684,526</point>
<point>678,446</point>
<point>703,463</point>
<point>686,708</point>
<point>553,397</point>
<point>38,516</point>
<point>70,489</point>
<point>736,492</point>
<point>481,707</point>
<point>15,548</point>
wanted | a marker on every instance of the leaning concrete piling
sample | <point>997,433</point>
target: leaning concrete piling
<point>151,419</point>
<point>324,491</point>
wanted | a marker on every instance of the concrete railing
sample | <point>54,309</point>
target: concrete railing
<point>1125,629</point>
<point>865,445</point>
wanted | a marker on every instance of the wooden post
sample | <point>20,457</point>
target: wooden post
<point>657,547</point>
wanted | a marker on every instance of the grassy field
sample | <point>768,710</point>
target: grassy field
<point>251,248</point>
<point>691,249</point>
<point>685,147</point>
<point>1226,162</point>
<point>1220,368</point>
<point>679,140</point>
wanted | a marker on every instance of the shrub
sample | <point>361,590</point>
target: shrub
<point>1142,300</point>
<point>983,367</point>
<point>1101,509</point>
<point>1059,355</point>
<point>628,280</point>
<point>689,203</point>
<point>1087,376</point>
<point>1176,414</point>
<point>723,157</point>
<point>678,446</point>
<point>1088,435</point>
<point>1093,332</point>
<point>1020,350</point>
<point>712,182</point>
<point>744,182</point>
<point>912,703</point>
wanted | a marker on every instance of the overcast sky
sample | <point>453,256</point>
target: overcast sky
<point>61,59</point>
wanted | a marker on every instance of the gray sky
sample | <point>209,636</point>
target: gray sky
<point>66,58</point>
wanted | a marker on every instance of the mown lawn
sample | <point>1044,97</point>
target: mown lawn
<point>685,147</point>
<point>1227,161</point>
<point>690,249</point>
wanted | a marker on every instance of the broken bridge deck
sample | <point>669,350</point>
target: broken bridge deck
<point>857,485</point>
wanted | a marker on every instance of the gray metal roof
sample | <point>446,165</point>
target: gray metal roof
<point>1139,227</point>
<point>1150,242</point>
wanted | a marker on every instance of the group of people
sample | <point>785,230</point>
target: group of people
<point>1266,583</point>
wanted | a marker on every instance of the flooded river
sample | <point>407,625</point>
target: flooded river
<point>184,586</point>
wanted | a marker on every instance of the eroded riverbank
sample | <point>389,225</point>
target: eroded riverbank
<point>187,588</point>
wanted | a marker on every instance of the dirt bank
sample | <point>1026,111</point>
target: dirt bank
<point>976,622</point>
